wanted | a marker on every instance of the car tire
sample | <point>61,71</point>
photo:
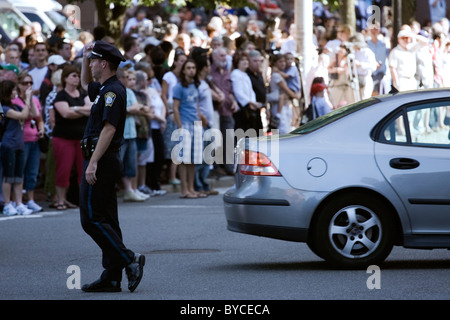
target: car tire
<point>313,247</point>
<point>354,231</point>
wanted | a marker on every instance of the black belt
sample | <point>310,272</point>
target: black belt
<point>88,146</point>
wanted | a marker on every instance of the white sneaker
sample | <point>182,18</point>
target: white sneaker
<point>159,192</point>
<point>131,196</point>
<point>144,189</point>
<point>33,206</point>
<point>141,194</point>
<point>9,210</point>
<point>23,210</point>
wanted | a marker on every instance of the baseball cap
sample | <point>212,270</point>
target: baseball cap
<point>358,40</point>
<point>404,33</point>
<point>11,67</point>
<point>56,59</point>
<point>105,51</point>
<point>317,87</point>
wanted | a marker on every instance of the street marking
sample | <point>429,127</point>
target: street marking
<point>33,215</point>
<point>20,217</point>
<point>176,206</point>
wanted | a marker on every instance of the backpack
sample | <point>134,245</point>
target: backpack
<point>310,114</point>
<point>4,122</point>
<point>3,126</point>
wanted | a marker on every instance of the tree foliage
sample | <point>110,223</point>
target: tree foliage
<point>207,4</point>
<point>111,17</point>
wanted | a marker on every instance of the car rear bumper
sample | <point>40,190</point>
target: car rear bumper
<point>281,233</point>
<point>278,211</point>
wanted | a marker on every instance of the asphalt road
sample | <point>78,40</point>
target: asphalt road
<point>192,256</point>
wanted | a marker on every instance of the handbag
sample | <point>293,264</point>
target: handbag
<point>362,81</point>
<point>43,143</point>
<point>310,114</point>
<point>334,75</point>
<point>274,122</point>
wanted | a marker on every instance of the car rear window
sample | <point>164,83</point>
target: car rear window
<point>334,115</point>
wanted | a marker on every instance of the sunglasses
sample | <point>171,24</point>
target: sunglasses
<point>26,83</point>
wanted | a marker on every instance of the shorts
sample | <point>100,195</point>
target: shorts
<point>13,164</point>
<point>148,155</point>
<point>128,155</point>
<point>189,144</point>
<point>141,144</point>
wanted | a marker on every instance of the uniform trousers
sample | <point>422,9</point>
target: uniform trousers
<point>99,215</point>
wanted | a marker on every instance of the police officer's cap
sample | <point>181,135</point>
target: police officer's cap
<point>105,51</point>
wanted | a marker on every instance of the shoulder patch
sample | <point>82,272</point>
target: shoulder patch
<point>109,98</point>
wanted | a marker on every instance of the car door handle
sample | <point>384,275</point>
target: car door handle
<point>404,163</point>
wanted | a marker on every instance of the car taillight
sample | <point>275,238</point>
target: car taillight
<point>256,164</point>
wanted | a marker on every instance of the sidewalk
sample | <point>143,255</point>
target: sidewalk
<point>215,182</point>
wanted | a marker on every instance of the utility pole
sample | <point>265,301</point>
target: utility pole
<point>304,36</point>
<point>397,20</point>
<point>347,12</point>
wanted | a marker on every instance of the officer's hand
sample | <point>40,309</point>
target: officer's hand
<point>88,49</point>
<point>90,173</point>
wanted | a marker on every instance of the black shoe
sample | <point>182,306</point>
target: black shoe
<point>134,271</point>
<point>102,286</point>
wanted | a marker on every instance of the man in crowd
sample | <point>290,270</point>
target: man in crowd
<point>226,106</point>
<point>39,72</point>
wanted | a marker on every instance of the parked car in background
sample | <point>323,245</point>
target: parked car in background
<point>10,21</point>
<point>48,13</point>
<point>353,183</point>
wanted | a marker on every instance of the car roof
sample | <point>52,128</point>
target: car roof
<point>414,95</point>
<point>386,102</point>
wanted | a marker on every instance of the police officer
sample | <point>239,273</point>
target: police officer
<point>102,168</point>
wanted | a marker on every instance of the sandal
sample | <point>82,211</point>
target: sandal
<point>201,195</point>
<point>70,205</point>
<point>53,205</point>
<point>212,192</point>
<point>61,206</point>
<point>189,196</point>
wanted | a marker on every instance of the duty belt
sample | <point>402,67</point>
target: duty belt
<point>88,146</point>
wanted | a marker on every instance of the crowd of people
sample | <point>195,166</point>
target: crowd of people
<point>237,69</point>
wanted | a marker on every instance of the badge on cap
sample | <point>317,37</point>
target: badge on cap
<point>109,98</point>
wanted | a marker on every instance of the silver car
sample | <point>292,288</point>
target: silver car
<point>353,183</point>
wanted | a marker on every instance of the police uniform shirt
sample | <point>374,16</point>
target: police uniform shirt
<point>109,104</point>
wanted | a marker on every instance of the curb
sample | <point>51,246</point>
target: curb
<point>215,183</point>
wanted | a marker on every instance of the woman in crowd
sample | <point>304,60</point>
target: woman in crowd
<point>206,109</point>
<point>341,90</point>
<point>49,123</point>
<point>12,147</point>
<point>129,149</point>
<point>33,130</point>
<point>243,92</point>
<point>279,94</point>
<point>170,79</point>
<point>72,109</point>
<point>186,113</point>
<point>157,124</point>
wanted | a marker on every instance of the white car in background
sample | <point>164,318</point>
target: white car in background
<point>48,13</point>
<point>10,21</point>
